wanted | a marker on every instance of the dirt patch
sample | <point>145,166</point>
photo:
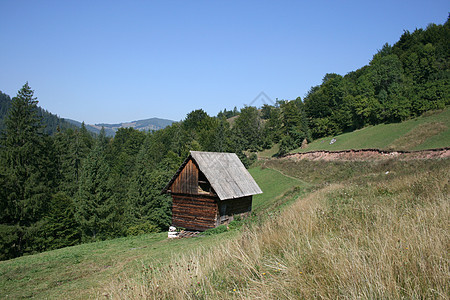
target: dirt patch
<point>369,154</point>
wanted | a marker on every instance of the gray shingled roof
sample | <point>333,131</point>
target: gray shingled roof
<point>226,174</point>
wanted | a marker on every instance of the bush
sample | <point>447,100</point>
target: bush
<point>142,228</point>
<point>218,229</point>
<point>9,241</point>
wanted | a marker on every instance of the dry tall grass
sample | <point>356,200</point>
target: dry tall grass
<point>383,239</point>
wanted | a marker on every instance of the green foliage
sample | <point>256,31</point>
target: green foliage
<point>97,212</point>
<point>27,171</point>
<point>247,160</point>
<point>151,174</point>
<point>61,228</point>
<point>228,113</point>
<point>287,143</point>
<point>273,125</point>
<point>5,103</point>
<point>10,236</point>
<point>72,147</point>
<point>247,129</point>
<point>142,228</point>
<point>52,122</point>
<point>294,127</point>
<point>216,230</point>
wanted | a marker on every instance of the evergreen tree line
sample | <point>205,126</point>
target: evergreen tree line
<point>71,187</point>
<point>52,122</point>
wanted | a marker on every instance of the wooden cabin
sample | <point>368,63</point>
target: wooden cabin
<point>210,189</point>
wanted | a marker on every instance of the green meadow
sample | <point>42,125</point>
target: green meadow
<point>431,130</point>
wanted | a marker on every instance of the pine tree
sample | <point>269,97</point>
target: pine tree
<point>95,207</point>
<point>61,228</point>
<point>28,177</point>
<point>72,147</point>
<point>146,205</point>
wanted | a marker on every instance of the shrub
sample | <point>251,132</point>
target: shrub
<point>142,228</point>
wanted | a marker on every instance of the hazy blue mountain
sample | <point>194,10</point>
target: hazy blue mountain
<point>52,122</point>
<point>110,129</point>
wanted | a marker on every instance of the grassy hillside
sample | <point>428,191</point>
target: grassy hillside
<point>273,184</point>
<point>432,130</point>
<point>371,235</point>
<point>353,232</point>
<point>86,270</point>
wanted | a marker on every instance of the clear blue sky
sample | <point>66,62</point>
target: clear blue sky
<point>114,61</point>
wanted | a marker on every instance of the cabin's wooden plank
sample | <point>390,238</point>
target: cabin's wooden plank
<point>192,212</point>
<point>187,180</point>
<point>195,219</point>
<point>193,225</point>
<point>197,206</point>
<point>231,207</point>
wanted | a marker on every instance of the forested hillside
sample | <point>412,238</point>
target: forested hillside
<point>70,187</point>
<point>50,122</point>
<point>401,81</point>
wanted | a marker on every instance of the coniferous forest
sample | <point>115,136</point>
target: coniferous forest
<point>61,185</point>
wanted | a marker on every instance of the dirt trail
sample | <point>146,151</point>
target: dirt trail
<point>369,154</point>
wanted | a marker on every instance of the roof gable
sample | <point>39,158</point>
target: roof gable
<point>225,172</point>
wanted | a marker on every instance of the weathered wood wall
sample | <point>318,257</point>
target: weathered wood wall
<point>233,207</point>
<point>194,212</point>
<point>187,180</point>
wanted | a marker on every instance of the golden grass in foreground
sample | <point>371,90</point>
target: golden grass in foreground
<point>384,239</point>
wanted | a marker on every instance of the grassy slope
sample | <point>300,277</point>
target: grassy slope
<point>432,130</point>
<point>85,270</point>
<point>365,235</point>
<point>273,184</point>
<point>267,153</point>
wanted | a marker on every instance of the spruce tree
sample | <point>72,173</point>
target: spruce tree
<point>61,228</point>
<point>145,203</point>
<point>72,148</point>
<point>27,171</point>
<point>95,207</point>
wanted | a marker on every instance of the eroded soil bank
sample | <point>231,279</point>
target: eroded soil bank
<point>369,154</point>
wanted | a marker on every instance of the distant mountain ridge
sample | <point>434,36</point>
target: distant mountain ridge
<point>110,129</point>
<point>52,122</point>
